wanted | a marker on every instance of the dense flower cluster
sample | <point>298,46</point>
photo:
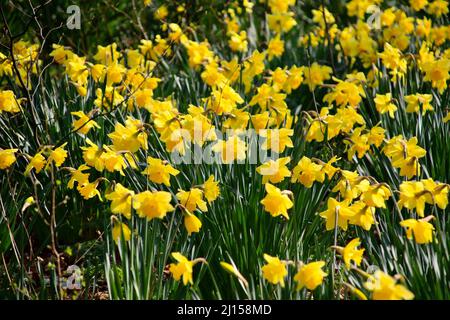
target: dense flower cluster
<point>249,90</point>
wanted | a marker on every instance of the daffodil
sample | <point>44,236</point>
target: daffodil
<point>364,215</point>
<point>8,102</point>
<point>191,223</point>
<point>89,190</point>
<point>307,172</point>
<point>384,104</point>
<point>419,102</point>
<point>37,162</point>
<point>121,199</point>
<point>437,72</point>
<point>351,253</point>
<point>152,205</point>
<point>421,229</point>
<point>316,74</point>
<point>277,140</point>
<point>276,202</point>
<point>7,158</point>
<point>183,268</point>
<point>58,156</point>
<point>192,199</point>
<point>159,171</point>
<point>385,287</point>
<point>232,149</point>
<point>310,275</point>
<point>77,175</point>
<point>275,270</point>
<point>337,214</point>
<point>130,137</point>
<point>392,59</point>
<point>274,171</point>
<point>413,196</point>
<point>275,48</point>
<point>121,230</point>
<point>437,193</point>
<point>376,195</point>
<point>211,189</point>
<point>84,123</point>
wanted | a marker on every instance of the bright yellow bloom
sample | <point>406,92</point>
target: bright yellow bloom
<point>130,137</point>
<point>275,48</point>
<point>198,53</point>
<point>359,143</point>
<point>92,155</point>
<point>183,268</point>
<point>446,118</point>
<point>58,156</point>
<point>275,270</point>
<point>108,54</point>
<point>376,136</point>
<point>376,195</point>
<point>310,275</point>
<point>393,60</point>
<point>211,189</point>
<point>307,172</point>
<point>351,253</point>
<point>418,5</point>
<point>8,102</point>
<point>223,100</point>
<point>37,162</point>
<point>277,140</point>
<point>421,229</point>
<point>437,193</point>
<point>232,149</point>
<point>280,6</point>
<point>260,120</point>
<point>364,215</point>
<point>121,230</point>
<point>276,202</point>
<point>359,8</point>
<point>121,200</point>
<point>89,190</point>
<point>437,72</point>
<point>159,171</point>
<point>328,168</point>
<point>161,13</point>
<point>192,199</point>
<point>345,93</point>
<point>192,223</point>
<point>77,175</point>
<point>404,155</point>
<point>274,171</point>
<point>238,41</point>
<point>438,8</point>
<point>60,54</point>
<point>399,148</point>
<point>337,210</point>
<point>281,22</point>
<point>175,32</point>
<point>152,205</point>
<point>384,104</point>
<point>84,123</point>
<point>412,195</point>
<point>316,74</point>
<point>7,158</point>
<point>385,287</point>
<point>419,102</point>
<point>351,185</point>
